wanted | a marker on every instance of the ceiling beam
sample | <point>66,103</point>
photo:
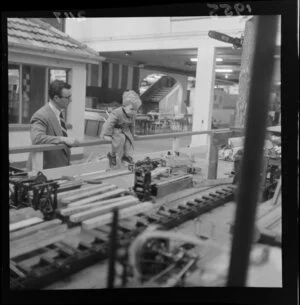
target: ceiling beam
<point>232,67</point>
<point>169,70</point>
<point>226,82</point>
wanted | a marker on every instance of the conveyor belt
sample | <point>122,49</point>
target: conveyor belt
<point>68,260</point>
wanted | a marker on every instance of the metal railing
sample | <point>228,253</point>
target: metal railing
<point>37,150</point>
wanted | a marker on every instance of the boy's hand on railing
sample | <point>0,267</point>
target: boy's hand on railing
<point>107,138</point>
<point>70,141</point>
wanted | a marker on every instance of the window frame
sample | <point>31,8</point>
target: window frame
<point>20,88</point>
<point>19,124</point>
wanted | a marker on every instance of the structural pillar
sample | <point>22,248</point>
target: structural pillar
<point>203,103</point>
<point>245,74</point>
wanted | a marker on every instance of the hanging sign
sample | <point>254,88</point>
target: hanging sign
<point>237,42</point>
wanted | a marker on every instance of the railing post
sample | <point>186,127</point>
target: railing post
<point>37,159</point>
<point>213,156</point>
<point>175,144</point>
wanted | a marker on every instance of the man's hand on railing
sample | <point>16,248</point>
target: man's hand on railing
<point>70,141</point>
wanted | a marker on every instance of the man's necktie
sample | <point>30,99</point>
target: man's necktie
<point>63,125</point>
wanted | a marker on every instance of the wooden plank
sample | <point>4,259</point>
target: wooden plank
<point>25,267</point>
<point>104,229</point>
<point>73,210</point>
<point>277,192</point>
<point>28,263</point>
<point>24,223</point>
<point>13,267</point>
<point>84,188</point>
<point>34,229</point>
<point>19,251</point>
<point>159,171</point>
<point>271,217</point>
<point>103,210</point>
<point>216,182</point>
<point>106,218</point>
<point>37,240</point>
<point>126,225</point>
<point>112,174</point>
<point>65,248</point>
<point>113,193</point>
<point>87,194</point>
<point>71,241</point>
<point>22,214</point>
<point>98,235</point>
<point>86,237</point>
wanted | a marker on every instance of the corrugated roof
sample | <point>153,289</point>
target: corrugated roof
<point>34,33</point>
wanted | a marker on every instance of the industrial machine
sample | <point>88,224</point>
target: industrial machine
<point>154,179</point>
<point>37,191</point>
<point>66,259</point>
<point>75,231</point>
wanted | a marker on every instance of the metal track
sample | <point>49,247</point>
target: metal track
<point>70,260</point>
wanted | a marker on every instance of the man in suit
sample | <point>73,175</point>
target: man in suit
<point>48,126</point>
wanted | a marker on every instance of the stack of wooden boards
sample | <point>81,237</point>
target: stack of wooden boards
<point>92,204</point>
<point>28,231</point>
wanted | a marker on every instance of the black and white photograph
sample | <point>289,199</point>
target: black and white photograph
<point>145,151</point>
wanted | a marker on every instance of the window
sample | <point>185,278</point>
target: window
<point>13,93</point>
<point>33,91</point>
<point>61,74</point>
<point>28,90</point>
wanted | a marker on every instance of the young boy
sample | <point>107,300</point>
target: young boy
<point>119,128</point>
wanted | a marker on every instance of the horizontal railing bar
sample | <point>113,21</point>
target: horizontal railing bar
<point>47,147</point>
<point>35,148</point>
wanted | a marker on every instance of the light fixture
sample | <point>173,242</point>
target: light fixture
<point>224,70</point>
<point>128,53</point>
<point>226,75</point>
<point>195,59</point>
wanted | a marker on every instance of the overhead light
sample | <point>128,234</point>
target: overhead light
<point>128,53</point>
<point>224,70</point>
<point>195,59</point>
<point>226,75</point>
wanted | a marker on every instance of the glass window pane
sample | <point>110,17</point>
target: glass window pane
<point>58,74</point>
<point>13,93</point>
<point>33,91</point>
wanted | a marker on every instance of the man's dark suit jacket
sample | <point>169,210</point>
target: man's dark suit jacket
<point>45,129</point>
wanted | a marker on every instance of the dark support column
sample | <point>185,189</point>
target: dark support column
<point>249,185</point>
<point>112,250</point>
<point>213,158</point>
